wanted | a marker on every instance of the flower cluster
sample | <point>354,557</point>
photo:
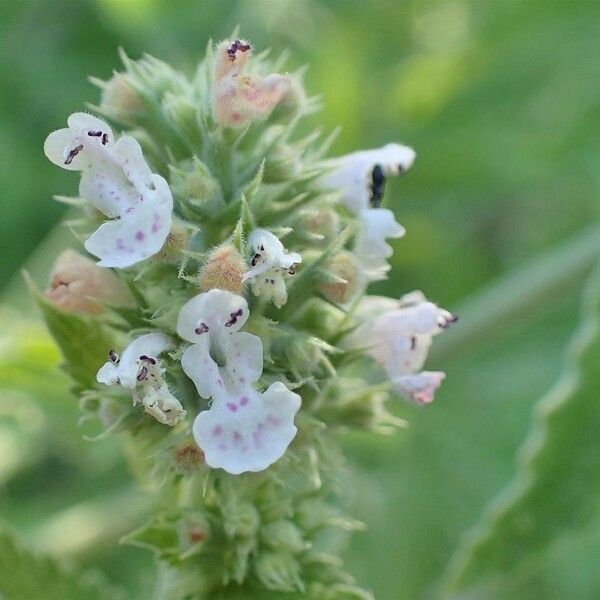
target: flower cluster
<point>229,296</point>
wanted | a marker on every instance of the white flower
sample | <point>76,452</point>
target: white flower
<point>360,178</point>
<point>118,182</point>
<point>139,369</point>
<point>370,247</point>
<point>398,335</point>
<point>238,99</point>
<point>270,263</point>
<point>243,430</point>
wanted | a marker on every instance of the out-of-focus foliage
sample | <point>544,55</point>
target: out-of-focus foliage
<point>555,492</point>
<point>502,104</point>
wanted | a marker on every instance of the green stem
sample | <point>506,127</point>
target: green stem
<point>509,302</point>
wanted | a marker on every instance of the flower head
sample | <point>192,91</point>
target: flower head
<point>244,430</point>
<point>398,335</point>
<point>270,264</point>
<point>117,181</point>
<point>237,98</point>
<point>139,369</point>
<point>78,285</point>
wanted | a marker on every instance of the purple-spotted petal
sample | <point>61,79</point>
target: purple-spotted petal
<point>248,431</point>
<point>139,233</point>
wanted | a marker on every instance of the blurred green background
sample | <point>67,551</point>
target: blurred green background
<point>500,99</point>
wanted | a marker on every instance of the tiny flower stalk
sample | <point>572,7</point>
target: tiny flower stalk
<point>225,286</point>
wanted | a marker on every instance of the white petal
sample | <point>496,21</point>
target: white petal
<point>248,432</point>
<point>128,153</point>
<point>353,174</point>
<point>215,308</point>
<point>151,345</point>
<point>200,367</point>
<point>107,189</point>
<point>84,122</point>
<point>108,374</point>
<point>420,387</point>
<point>139,233</point>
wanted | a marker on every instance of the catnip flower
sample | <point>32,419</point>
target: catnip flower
<point>398,335</point>
<point>117,181</point>
<point>237,98</point>
<point>244,430</point>
<point>139,370</point>
<point>360,178</point>
<point>78,285</point>
<point>271,263</point>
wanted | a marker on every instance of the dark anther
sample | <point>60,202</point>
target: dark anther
<point>95,133</point>
<point>113,357</point>
<point>377,186</point>
<point>73,153</point>
<point>104,139</point>
<point>292,270</point>
<point>449,322</point>
<point>202,328</point>
<point>255,259</point>
<point>234,317</point>
<point>237,45</point>
<point>142,374</point>
<point>413,342</point>
<point>148,359</point>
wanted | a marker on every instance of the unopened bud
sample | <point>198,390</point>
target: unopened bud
<point>279,572</point>
<point>188,458</point>
<point>120,99</point>
<point>284,535</point>
<point>193,530</point>
<point>78,285</point>
<point>223,270</point>
<point>241,519</point>
<point>283,163</point>
<point>323,221</point>
<point>195,184</point>
<point>176,242</point>
<point>345,282</point>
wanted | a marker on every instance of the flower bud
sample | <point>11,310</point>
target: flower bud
<point>223,270</point>
<point>78,285</point>
<point>241,519</point>
<point>323,221</point>
<point>119,99</point>
<point>345,281</point>
<point>283,163</point>
<point>284,535</point>
<point>192,531</point>
<point>194,184</point>
<point>188,458</point>
<point>176,242</point>
<point>279,572</point>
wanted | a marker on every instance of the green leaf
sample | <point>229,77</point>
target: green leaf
<point>557,487</point>
<point>83,341</point>
<point>25,576</point>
